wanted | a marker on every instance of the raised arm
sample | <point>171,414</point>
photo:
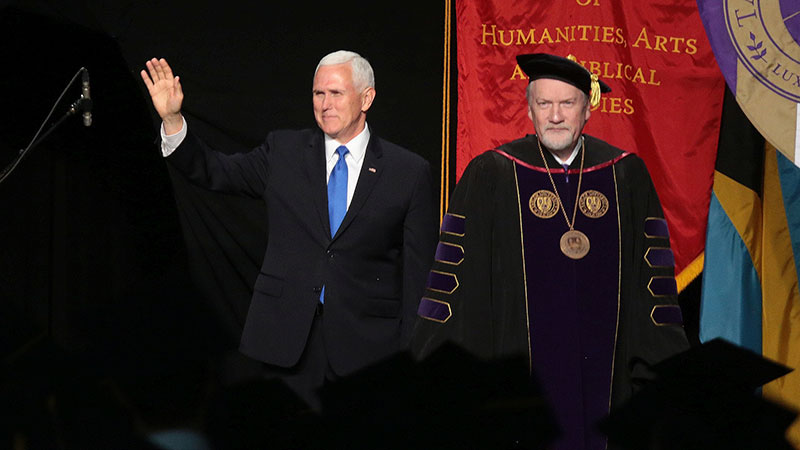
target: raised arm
<point>165,92</point>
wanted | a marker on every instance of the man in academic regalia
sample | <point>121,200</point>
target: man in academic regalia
<point>555,246</point>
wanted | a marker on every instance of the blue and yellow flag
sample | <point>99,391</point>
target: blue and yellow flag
<point>752,254</point>
<point>750,282</point>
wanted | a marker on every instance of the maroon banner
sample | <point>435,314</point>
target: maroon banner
<point>665,103</point>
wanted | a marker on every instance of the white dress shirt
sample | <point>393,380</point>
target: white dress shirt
<point>572,156</point>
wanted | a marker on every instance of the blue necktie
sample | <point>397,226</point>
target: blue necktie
<point>337,191</point>
<point>337,197</point>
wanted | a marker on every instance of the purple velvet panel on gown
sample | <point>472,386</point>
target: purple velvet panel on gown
<point>572,304</point>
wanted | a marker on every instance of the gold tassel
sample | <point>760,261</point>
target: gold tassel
<point>594,97</point>
<point>594,100</point>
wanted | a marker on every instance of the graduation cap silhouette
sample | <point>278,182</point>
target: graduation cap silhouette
<point>704,398</point>
<point>451,399</point>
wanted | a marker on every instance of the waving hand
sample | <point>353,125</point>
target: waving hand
<point>165,92</point>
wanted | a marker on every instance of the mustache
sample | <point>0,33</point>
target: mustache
<point>557,127</point>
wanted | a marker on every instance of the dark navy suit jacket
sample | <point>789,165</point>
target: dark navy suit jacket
<point>374,268</point>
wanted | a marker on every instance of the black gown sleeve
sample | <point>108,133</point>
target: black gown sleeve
<point>650,318</point>
<point>473,297</point>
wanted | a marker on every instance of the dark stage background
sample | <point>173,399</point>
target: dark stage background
<point>112,262</point>
<point>99,236</point>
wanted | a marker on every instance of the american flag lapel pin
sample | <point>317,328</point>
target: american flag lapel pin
<point>372,169</point>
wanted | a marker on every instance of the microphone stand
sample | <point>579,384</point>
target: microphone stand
<point>82,104</point>
<point>79,105</point>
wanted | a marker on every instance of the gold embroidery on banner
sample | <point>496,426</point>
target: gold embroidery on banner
<point>593,204</point>
<point>449,310</point>
<point>543,204</point>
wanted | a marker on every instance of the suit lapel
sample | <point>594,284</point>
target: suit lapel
<point>315,167</point>
<point>371,171</point>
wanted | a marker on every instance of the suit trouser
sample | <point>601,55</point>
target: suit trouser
<point>312,370</point>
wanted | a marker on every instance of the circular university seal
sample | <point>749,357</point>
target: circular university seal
<point>593,204</point>
<point>756,43</point>
<point>543,204</point>
<point>765,35</point>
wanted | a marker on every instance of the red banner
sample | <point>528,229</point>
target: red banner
<point>665,103</point>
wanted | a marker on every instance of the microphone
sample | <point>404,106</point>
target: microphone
<point>86,99</point>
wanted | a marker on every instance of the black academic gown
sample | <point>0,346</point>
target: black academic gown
<point>500,285</point>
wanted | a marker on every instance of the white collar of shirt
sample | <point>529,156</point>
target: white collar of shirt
<point>571,158</point>
<point>357,148</point>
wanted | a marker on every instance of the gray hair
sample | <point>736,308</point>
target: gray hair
<point>529,94</point>
<point>363,76</point>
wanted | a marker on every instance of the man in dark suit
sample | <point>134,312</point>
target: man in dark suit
<point>351,227</point>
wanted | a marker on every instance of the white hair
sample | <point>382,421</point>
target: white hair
<point>363,76</point>
<point>529,94</point>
